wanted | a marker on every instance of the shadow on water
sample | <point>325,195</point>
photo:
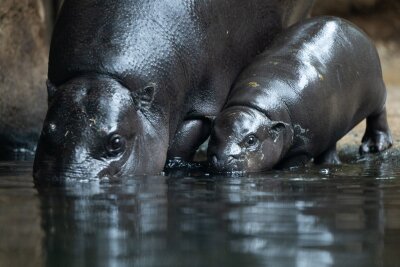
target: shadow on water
<point>346,215</point>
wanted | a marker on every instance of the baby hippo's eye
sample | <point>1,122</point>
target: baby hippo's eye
<point>115,145</point>
<point>250,140</point>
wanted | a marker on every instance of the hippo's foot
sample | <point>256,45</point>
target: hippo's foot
<point>377,135</point>
<point>190,135</point>
<point>375,142</point>
<point>329,156</point>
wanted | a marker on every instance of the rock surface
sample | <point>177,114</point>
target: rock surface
<point>24,38</point>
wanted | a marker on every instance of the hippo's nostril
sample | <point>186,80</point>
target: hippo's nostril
<point>106,177</point>
<point>214,159</point>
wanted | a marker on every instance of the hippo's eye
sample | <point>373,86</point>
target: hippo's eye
<point>115,145</point>
<point>250,140</point>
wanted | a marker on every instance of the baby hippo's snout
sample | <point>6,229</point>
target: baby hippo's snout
<point>222,163</point>
<point>225,159</point>
<point>243,139</point>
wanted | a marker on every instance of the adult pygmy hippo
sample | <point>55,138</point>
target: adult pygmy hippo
<point>131,80</point>
<point>316,81</point>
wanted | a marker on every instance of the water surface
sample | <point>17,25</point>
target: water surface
<point>345,215</point>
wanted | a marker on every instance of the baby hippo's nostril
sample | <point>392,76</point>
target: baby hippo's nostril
<point>214,159</point>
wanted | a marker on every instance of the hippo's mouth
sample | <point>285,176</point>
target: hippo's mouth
<point>53,172</point>
<point>227,165</point>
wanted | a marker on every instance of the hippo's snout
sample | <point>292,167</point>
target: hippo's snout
<point>63,161</point>
<point>225,163</point>
<point>222,156</point>
<point>57,170</point>
<point>224,160</point>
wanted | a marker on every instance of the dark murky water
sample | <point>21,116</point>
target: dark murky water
<point>337,216</point>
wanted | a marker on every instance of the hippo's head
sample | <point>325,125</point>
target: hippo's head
<point>94,128</point>
<point>244,139</point>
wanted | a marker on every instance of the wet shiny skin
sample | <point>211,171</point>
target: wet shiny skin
<point>86,128</point>
<point>346,215</point>
<point>243,139</point>
<point>189,51</point>
<point>318,80</point>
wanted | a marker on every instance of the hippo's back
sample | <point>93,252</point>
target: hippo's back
<point>338,76</point>
<point>133,39</point>
<point>117,38</point>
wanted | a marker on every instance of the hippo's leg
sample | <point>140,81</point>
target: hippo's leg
<point>329,156</point>
<point>377,135</point>
<point>189,137</point>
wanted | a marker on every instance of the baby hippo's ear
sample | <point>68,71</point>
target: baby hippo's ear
<point>144,97</point>
<point>51,90</point>
<point>280,128</point>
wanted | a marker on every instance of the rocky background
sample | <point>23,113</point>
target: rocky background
<point>24,42</point>
<point>25,30</point>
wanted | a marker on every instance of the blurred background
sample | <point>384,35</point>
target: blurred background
<point>25,32</point>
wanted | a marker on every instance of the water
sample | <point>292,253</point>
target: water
<point>315,216</point>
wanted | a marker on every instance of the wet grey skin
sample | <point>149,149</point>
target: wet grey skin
<point>316,81</point>
<point>132,83</point>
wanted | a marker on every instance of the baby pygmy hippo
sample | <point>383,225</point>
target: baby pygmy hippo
<point>317,80</point>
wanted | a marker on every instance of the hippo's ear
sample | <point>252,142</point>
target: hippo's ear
<point>51,90</point>
<point>144,97</point>
<point>277,128</point>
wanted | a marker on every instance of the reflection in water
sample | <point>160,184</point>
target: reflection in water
<point>20,216</point>
<point>336,216</point>
<point>92,224</point>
